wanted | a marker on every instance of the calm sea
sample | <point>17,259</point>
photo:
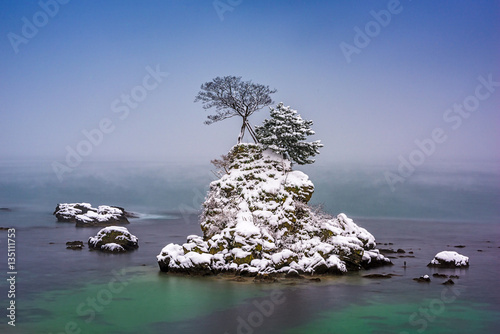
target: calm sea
<point>65,291</point>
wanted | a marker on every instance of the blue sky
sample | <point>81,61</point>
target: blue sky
<point>64,79</point>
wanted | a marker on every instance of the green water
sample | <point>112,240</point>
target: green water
<point>427,316</point>
<point>144,297</point>
<point>145,301</point>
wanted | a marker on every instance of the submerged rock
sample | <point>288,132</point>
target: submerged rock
<point>439,275</point>
<point>83,214</point>
<point>256,220</point>
<point>114,239</point>
<point>449,259</point>
<point>376,276</point>
<point>294,274</point>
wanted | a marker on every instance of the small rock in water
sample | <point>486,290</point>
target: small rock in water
<point>114,239</point>
<point>439,275</point>
<point>400,250</point>
<point>460,246</point>
<point>423,279</point>
<point>74,245</point>
<point>449,259</point>
<point>449,282</point>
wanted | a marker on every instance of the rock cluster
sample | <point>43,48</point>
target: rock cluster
<point>83,214</point>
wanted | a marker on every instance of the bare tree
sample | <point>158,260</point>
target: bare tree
<point>222,165</point>
<point>232,97</point>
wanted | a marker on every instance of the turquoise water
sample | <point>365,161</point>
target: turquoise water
<point>65,291</point>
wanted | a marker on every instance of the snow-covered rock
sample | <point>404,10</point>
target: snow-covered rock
<point>83,214</point>
<point>114,239</point>
<point>256,220</point>
<point>449,259</point>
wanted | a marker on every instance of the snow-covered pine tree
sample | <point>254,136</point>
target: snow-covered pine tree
<point>285,133</point>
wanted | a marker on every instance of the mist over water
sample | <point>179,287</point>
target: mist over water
<point>142,187</point>
<point>437,192</point>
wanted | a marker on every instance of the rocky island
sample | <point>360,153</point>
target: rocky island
<point>256,222</point>
<point>84,215</point>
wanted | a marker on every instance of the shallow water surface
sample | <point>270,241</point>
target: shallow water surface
<point>86,291</point>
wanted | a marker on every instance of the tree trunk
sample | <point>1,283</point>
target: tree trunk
<point>242,131</point>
